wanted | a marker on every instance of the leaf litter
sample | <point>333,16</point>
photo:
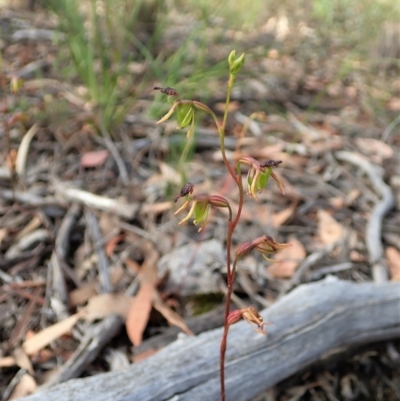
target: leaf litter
<point>49,167</point>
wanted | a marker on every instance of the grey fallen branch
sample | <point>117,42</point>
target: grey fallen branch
<point>310,323</point>
<point>374,227</point>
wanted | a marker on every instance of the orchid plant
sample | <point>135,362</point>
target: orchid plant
<point>199,204</point>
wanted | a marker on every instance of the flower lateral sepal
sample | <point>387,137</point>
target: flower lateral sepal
<point>201,205</point>
<point>259,173</point>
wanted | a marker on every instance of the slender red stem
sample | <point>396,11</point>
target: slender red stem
<point>231,228</point>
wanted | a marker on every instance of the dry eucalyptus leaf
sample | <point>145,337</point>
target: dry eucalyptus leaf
<point>82,294</point>
<point>7,361</point>
<point>393,258</point>
<point>139,313</point>
<point>104,305</point>
<point>284,215</point>
<point>22,360</point>
<point>288,259</point>
<point>23,150</point>
<point>373,147</point>
<point>27,385</point>
<point>49,334</point>
<point>94,159</point>
<point>172,317</point>
<point>35,223</point>
<point>330,231</point>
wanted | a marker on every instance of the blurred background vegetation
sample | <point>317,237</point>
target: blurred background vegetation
<point>117,49</point>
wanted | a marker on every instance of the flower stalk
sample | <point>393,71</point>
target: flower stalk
<point>199,205</point>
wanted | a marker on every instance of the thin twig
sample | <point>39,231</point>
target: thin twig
<point>309,261</point>
<point>61,246</point>
<point>123,172</point>
<point>95,235</point>
<point>323,271</point>
<point>374,226</point>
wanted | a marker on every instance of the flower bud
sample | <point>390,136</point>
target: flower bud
<point>218,201</point>
<point>234,316</point>
<point>236,65</point>
<point>244,249</point>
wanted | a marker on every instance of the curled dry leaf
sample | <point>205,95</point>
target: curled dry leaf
<point>330,231</point>
<point>288,259</point>
<point>112,243</point>
<point>23,150</point>
<point>393,258</point>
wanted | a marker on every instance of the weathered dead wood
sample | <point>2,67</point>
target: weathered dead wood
<point>310,323</point>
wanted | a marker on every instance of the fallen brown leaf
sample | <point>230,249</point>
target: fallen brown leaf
<point>94,159</point>
<point>82,294</point>
<point>3,234</point>
<point>284,215</point>
<point>112,243</point>
<point>394,104</point>
<point>330,231</point>
<point>287,259</point>
<point>7,361</point>
<point>373,147</point>
<point>393,258</point>
<point>171,316</point>
<point>35,223</point>
<point>22,360</point>
<point>139,312</point>
<point>26,385</point>
<point>49,334</point>
<point>141,307</point>
<point>104,305</point>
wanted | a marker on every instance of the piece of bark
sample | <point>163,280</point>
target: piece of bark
<point>310,323</point>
